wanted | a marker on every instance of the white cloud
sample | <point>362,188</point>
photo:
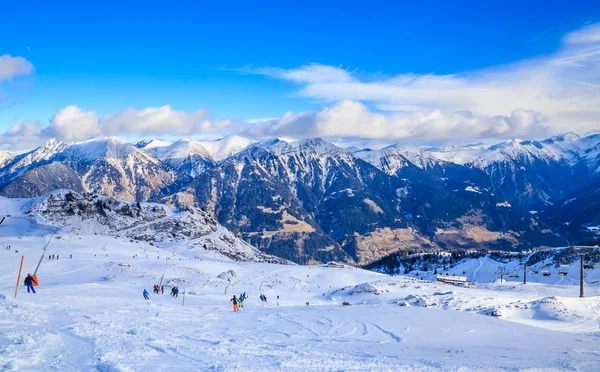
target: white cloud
<point>352,119</point>
<point>73,123</point>
<point>588,34</point>
<point>13,66</point>
<point>310,73</point>
<point>564,87</point>
<point>161,120</point>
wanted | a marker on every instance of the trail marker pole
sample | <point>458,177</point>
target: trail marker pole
<point>19,276</point>
<point>581,278</point>
<point>183,298</point>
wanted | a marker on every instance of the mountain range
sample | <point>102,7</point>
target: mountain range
<point>311,200</point>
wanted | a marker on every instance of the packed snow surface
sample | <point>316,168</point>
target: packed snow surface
<point>89,314</point>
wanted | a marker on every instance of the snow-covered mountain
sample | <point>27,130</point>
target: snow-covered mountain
<point>111,167</point>
<point>311,200</point>
<point>533,173</point>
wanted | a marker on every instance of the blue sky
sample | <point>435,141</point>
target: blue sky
<point>230,58</point>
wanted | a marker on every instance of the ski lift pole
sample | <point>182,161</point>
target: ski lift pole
<point>163,274</point>
<point>43,255</point>
<point>19,276</point>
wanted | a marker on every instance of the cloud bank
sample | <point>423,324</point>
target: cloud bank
<point>73,123</point>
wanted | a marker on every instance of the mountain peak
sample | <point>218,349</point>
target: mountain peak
<point>225,147</point>
<point>566,137</point>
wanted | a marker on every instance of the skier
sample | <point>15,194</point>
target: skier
<point>175,292</point>
<point>146,295</point>
<point>162,290</point>
<point>235,303</point>
<point>241,300</point>
<point>29,280</point>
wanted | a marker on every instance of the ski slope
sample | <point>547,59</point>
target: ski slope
<point>89,315</point>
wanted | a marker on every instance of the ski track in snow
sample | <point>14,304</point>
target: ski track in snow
<point>477,270</point>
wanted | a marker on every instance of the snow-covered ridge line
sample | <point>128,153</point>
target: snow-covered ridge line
<point>568,147</point>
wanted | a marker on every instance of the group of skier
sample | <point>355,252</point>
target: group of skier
<point>159,289</point>
<point>56,257</point>
<point>238,301</point>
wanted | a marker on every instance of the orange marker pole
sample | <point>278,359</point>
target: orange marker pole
<point>19,277</point>
<point>183,298</point>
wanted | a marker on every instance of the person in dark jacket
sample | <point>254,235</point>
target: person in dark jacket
<point>29,280</point>
<point>234,300</point>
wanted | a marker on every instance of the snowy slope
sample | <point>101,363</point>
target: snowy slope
<point>5,157</point>
<point>89,314</point>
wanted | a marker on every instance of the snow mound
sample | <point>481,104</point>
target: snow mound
<point>229,276</point>
<point>365,288</point>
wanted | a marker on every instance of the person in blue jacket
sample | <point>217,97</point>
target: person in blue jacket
<point>146,295</point>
